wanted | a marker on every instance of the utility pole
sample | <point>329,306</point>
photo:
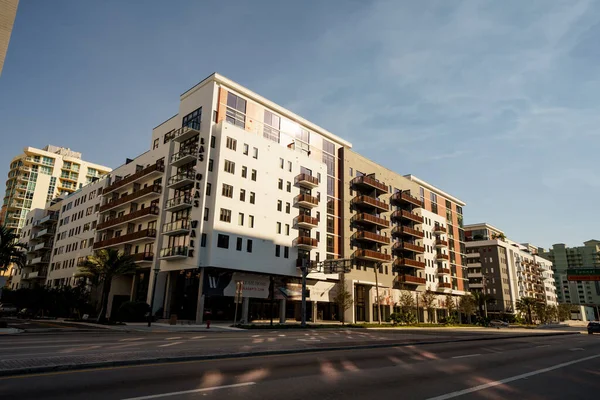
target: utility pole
<point>304,269</point>
<point>377,292</point>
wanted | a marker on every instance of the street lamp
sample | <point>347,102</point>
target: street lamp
<point>155,270</point>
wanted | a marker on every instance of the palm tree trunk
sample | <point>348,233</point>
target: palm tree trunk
<point>105,295</point>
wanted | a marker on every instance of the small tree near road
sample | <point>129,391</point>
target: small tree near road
<point>564,312</point>
<point>405,309</point>
<point>450,307</point>
<point>428,298</point>
<point>467,306</point>
<point>527,305</point>
<point>343,298</point>
<point>11,251</point>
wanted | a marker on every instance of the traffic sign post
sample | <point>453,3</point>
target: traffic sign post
<point>237,298</point>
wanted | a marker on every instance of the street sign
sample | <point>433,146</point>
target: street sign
<point>583,274</point>
<point>239,292</point>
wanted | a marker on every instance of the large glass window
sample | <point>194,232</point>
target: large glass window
<point>236,110</point>
<point>329,161</point>
<point>271,126</point>
<point>328,147</point>
<point>193,119</point>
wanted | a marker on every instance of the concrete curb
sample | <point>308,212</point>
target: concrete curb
<point>149,361</point>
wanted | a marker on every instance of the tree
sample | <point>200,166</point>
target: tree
<point>450,306</point>
<point>405,308</point>
<point>467,306</point>
<point>428,298</point>
<point>481,300</point>
<point>564,312</point>
<point>11,251</point>
<point>343,298</point>
<point>526,305</point>
<point>102,267</point>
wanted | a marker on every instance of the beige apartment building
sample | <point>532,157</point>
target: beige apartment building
<point>39,175</point>
<point>8,12</point>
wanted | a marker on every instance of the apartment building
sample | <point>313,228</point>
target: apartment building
<point>577,272</point>
<point>506,270</point>
<point>8,12</point>
<point>398,241</point>
<point>39,175</point>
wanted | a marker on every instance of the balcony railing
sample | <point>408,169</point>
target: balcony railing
<point>441,243</point>
<point>401,198</point>
<point>306,180</point>
<point>371,255</point>
<point>306,221</point>
<point>306,200</point>
<point>446,271</point>
<point>148,211</point>
<point>174,252</point>
<point>368,201</point>
<point>439,228</point>
<point>182,225</point>
<point>410,280</point>
<point>182,179</point>
<point>370,236</point>
<point>364,218</point>
<point>442,256</point>
<point>154,168</point>
<point>372,183</point>
<point>152,189</point>
<point>403,214</point>
<point>179,202</point>
<point>305,241</point>
<point>185,132</point>
<point>185,155</point>
<point>405,230</point>
<point>142,257</point>
<point>401,262</point>
<point>140,235</point>
<point>444,285</point>
<point>406,246</point>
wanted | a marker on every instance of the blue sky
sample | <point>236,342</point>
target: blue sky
<point>496,102</point>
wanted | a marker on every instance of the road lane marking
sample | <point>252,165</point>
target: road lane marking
<point>511,379</point>
<point>467,355</point>
<point>198,337</point>
<point>173,338</point>
<point>157,396</point>
<point>131,339</point>
<point>576,349</point>
<point>170,344</point>
<point>543,345</point>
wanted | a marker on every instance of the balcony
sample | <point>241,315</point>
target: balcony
<point>473,264</point>
<point>403,198</point>
<point>370,202</point>
<point>371,255</point>
<point>184,156</point>
<point>171,253</point>
<point>406,246</point>
<point>475,285</point>
<point>474,274</point>
<point>50,218</point>
<point>444,286</point>
<point>184,133</point>
<point>154,169</point>
<point>444,271</point>
<point>370,220</point>
<point>152,190</point>
<point>38,274</point>
<point>439,228</point>
<point>43,246</point>
<point>182,179</point>
<point>143,213</point>
<point>410,280</point>
<point>367,183</point>
<point>306,200</point>
<point>40,260</point>
<point>45,233</point>
<point>306,221</point>
<point>401,262</point>
<point>178,203</point>
<point>407,215</point>
<point>441,243</point>
<point>442,256</point>
<point>306,181</point>
<point>11,225</point>
<point>473,255</point>
<point>176,227</point>
<point>407,231</point>
<point>305,242</point>
<point>370,237</point>
<point>138,258</point>
<point>143,235</point>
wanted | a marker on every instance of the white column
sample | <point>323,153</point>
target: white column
<point>282,311</point>
<point>200,303</point>
<point>245,309</point>
<point>314,311</point>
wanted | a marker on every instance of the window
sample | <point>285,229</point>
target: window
<point>252,197</point>
<point>281,163</point>
<point>155,145</point>
<point>206,211</point>
<point>193,119</point>
<point>255,152</point>
<point>229,167</point>
<point>271,126</point>
<point>249,246</point>
<point>277,250</point>
<point>286,252</point>
<point>213,141</point>
<point>241,219</point>
<point>279,227</point>
<point>223,241</point>
<point>203,240</point>
<point>231,143</point>
<point>251,221</point>
<point>287,208</point>
<point>253,176</point>
<point>225,215</point>
<point>289,166</point>
<point>238,245</point>
<point>287,229</point>
<point>246,149</point>
<point>210,165</point>
<point>208,188</point>
<point>288,187</point>
<point>242,194</point>
<point>279,205</point>
<point>236,110</point>
<point>227,191</point>
<point>350,171</point>
<point>280,184</point>
<point>244,172</point>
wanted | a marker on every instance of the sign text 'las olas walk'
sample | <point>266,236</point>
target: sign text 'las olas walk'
<point>196,198</point>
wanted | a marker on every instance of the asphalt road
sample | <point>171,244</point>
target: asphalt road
<point>560,367</point>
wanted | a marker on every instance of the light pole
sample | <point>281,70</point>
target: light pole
<point>152,293</point>
<point>304,270</point>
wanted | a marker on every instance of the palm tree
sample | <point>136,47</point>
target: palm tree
<point>526,305</point>
<point>102,267</point>
<point>481,299</point>
<point>11,251</point>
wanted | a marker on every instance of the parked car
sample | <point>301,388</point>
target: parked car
<point>7,309</point>
<point>593,327</point>
<point>496,323</point>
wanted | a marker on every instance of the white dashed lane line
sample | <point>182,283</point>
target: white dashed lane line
<point>170,344</point>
